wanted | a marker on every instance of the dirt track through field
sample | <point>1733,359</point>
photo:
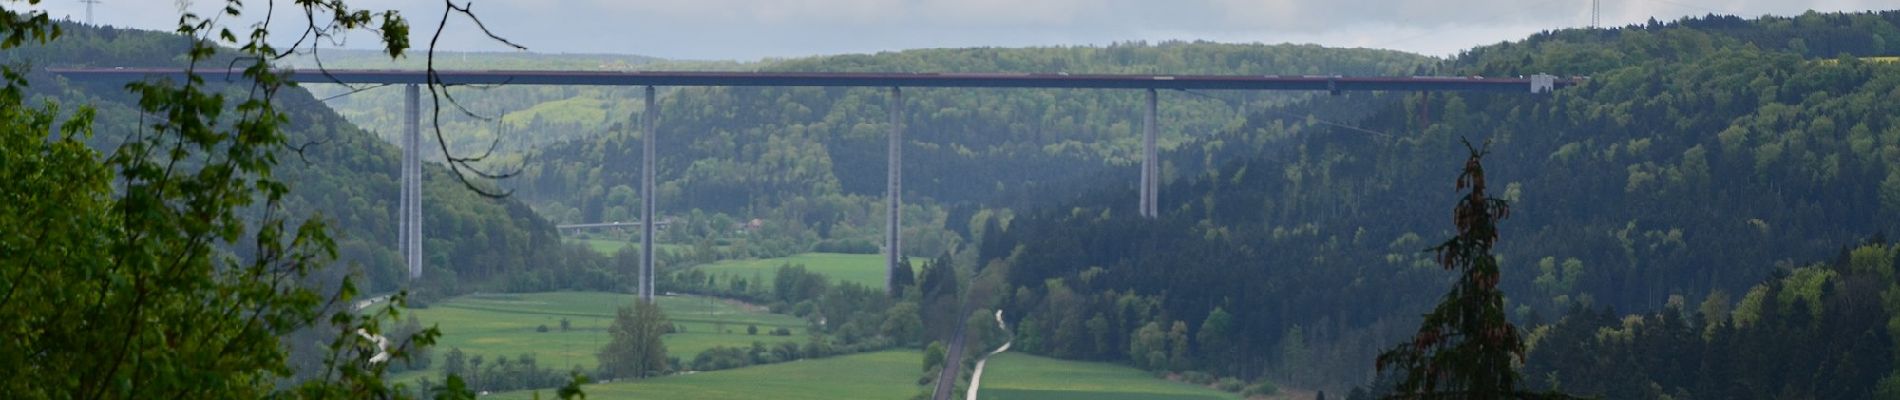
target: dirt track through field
<point>976,377</point>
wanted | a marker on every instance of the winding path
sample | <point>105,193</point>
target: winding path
<point>976,378</point>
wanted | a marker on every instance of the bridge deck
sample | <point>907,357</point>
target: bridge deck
<point>634,224</point>
<point>840,79</point>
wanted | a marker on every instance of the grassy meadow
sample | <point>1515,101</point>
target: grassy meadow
<point>576,110</point>
<point>507,324</point>
<point>879,375</point>
<point>1018,376</point>
<point>609,246</point>
<point>865,269</point>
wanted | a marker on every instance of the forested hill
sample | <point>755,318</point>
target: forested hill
<point>520,117</point>
<point>343,173</point>
<point>1702,155</point>
<point>735,149</point>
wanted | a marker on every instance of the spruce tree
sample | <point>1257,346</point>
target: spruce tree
<point>1465,348</point>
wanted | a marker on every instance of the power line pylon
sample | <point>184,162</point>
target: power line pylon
<point>1596,14</point>
<point>89,4</point>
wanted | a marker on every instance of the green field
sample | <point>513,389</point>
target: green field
<point>1016,376</point>
<point>866,269</point>
<point>579,110</point>
<point>607,247</point>
<point>505,324</point>
<point>880,375</point>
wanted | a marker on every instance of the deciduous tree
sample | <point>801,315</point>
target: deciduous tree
<point>635,351</point>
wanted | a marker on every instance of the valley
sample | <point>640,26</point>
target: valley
<point>1690,207</point>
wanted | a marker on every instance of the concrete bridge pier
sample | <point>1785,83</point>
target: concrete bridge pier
<point>649,122</point>
<point>894,194</point>
<point>410,211</point>
<point>1150,170</point>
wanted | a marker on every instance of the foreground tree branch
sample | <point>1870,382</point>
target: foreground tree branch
<point>171,267</point>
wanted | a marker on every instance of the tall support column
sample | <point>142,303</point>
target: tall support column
<point>649,123</point>
<point>1150,170</point>
<point>894,195</point>
<point>402,185</point>
<point>412,181</point>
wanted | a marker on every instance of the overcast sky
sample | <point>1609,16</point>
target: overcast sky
<point>754,29</point>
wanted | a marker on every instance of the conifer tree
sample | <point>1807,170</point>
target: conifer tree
<point>1465,348</point>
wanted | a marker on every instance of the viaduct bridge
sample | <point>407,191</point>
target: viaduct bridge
<point>411,169</point>
<point>661,224</point>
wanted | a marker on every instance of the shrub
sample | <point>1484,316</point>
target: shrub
<point>543,328</point>
<point>933,355</point>
<point>1263,388</point>
<point>787,351</point>
<point>1230,385</point>
<point>752,329</point>
<point>851,246</point>
<point>721,357</point>
<point>1197,377</point>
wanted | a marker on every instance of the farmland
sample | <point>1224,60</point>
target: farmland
<point>864,269</point>
<point>510,325</point>
<point>879,375</point>
<point>1017,376</point>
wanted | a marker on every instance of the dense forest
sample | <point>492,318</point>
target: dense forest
<point>1824,330</point>
<point>1697,159</point>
